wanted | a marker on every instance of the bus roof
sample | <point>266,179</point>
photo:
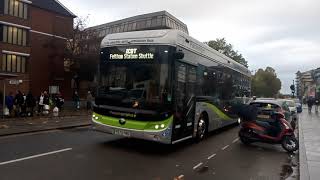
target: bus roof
<point>171,37</point>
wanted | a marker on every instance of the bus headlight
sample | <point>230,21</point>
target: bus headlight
<point>156,126</point>
<point>96,118</point>
<point>162,125</point>
<point>93,115</point>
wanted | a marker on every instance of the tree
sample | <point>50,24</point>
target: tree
<point>265,83</point>
<point>82,51</point>
<point>225,48</point>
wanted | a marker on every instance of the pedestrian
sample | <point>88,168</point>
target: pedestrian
<point>42,101</point>
<point>18,102</point>
<point>76,99</point>
<point>23,105</point>
<point>31,103</point>
<point>10,102</point>
<point>89,100</point>
<point>59,101</point>
<point>310,104</point>
<point>316,104</point>
<point>46,103</point>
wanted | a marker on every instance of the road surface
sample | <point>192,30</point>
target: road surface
<point>83,154</point>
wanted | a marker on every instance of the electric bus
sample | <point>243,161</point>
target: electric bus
<point>165,86</point>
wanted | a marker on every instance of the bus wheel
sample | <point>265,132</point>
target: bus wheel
<point>201,129</point>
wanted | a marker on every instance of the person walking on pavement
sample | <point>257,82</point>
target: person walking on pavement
<point>316,103</point>
<point>310,104</point>
<point>40,103</point>
<point>23,105</point>
<point>10,102</point>
<point>76,99</point>
<point>89,100</point>
<point>18,102</point>
<point>46,103</point>
<point>59,101</point>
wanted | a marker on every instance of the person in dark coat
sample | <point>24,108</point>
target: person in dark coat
<point>59,101</point>
<point>76,100</point>
<point>46,100</point>
<point>310,103</point>
<point>23,105</point>
<point>31,103</point>
<point>10,102</point>
<point>18,102</point>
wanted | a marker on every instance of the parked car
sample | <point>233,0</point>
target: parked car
<point>274,104</point>
<point>291,111</point>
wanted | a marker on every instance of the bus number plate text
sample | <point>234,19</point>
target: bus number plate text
<point>121,133</point>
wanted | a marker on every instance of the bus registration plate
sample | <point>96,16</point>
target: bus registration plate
<point>121,132</point>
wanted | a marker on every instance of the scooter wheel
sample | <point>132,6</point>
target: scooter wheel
<point>290,143</point>
<point>201,130</point>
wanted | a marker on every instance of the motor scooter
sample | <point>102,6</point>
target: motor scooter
<point>275,130</point>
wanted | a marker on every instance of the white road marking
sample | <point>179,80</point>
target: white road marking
<point>234,141</point>
<point>35,156</point>
<point>225,147</point>
<point>181,176</point>
<point>198,165</point>
<point>213,155</point>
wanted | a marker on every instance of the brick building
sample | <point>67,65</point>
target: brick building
<point>33,35</point>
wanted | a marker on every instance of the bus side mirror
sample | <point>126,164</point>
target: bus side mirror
<point>179,55</point>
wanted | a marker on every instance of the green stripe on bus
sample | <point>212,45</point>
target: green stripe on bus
<point>133,124</point>
<point>221,114</point>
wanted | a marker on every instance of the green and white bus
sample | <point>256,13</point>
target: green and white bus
<point>165,86</point>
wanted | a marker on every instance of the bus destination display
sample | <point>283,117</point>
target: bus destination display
<point>131,54</point>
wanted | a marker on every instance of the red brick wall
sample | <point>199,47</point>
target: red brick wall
<point>47,54</point>
<point>45,65</point>
<point>15,20</point>
<point>49,22</point>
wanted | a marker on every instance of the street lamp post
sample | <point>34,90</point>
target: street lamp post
<point>293,89</point>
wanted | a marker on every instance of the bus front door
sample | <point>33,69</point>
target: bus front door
<point>184,90</point>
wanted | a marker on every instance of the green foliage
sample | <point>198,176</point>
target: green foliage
<point>223,47</point>
<point>265,83</point>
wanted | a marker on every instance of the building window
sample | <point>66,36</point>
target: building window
<point>130,27</point>
<point>15,8</point>
<point>154,22</point>
<point>159,21</point>
<point>148,23</point>
<point>134,26</point>
<point>13,35</point>
<point>122,28</point>
<point>13,63</point>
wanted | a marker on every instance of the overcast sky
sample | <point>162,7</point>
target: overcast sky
<point>283,34</point>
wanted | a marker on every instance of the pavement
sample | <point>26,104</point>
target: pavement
<point>309,140</point>
<point>66,119</point>
<point>82,154</point>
